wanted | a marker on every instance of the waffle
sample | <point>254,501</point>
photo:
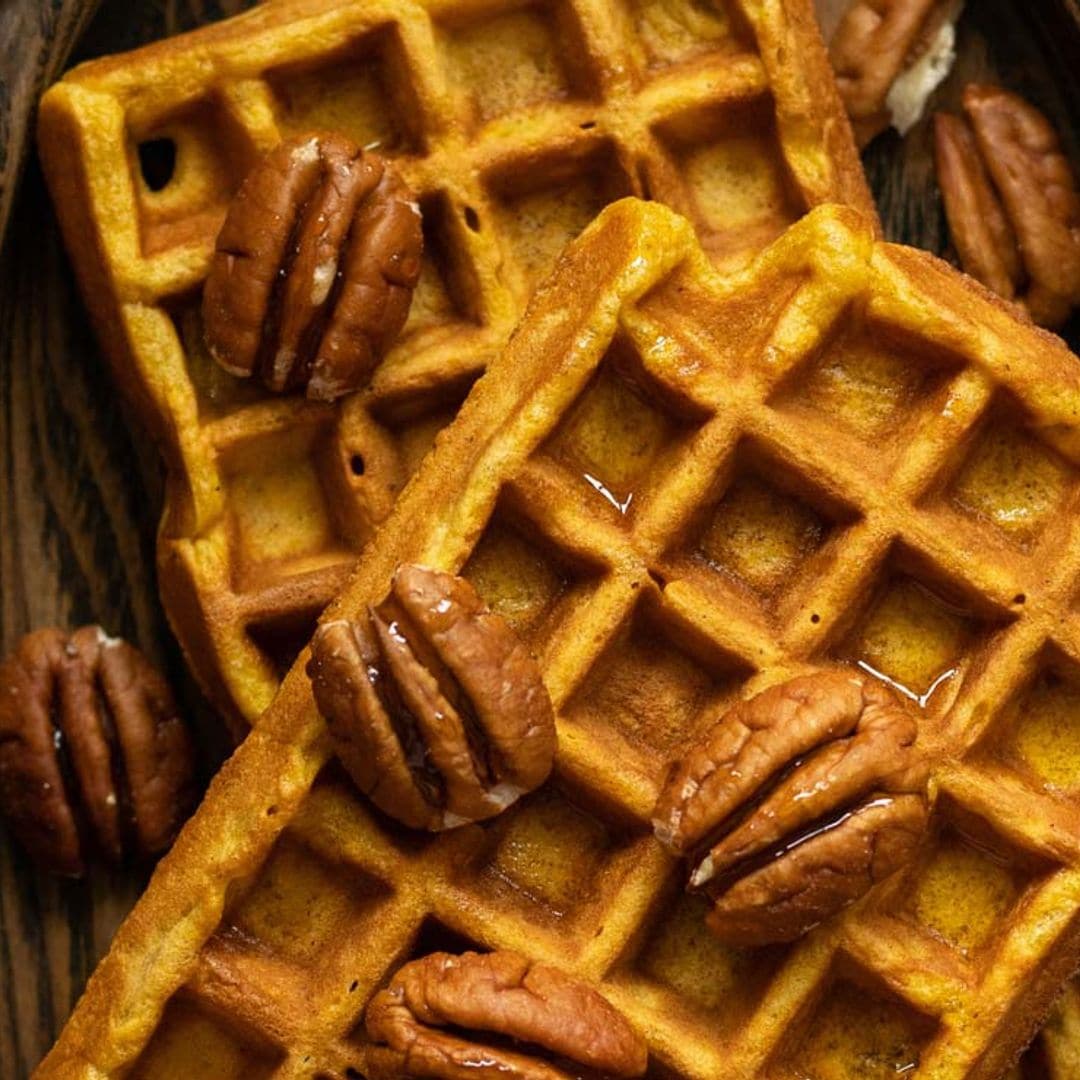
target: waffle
<point>515,124</point>
<point>680,488</point>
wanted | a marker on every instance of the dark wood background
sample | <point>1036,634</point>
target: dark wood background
<point>80,491</point>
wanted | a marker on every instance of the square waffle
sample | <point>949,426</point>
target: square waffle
<point>681,487</point>
<point>515,123</point>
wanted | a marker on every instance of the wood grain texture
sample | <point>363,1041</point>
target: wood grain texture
<point>36,37</point>
<point>80,490</point>
<point>79,502</point>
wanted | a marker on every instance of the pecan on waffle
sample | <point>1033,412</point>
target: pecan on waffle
<point>514,124</point>
<point>680,489</point>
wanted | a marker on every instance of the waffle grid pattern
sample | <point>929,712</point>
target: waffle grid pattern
<point>515,124</point>
<point>948,969</point>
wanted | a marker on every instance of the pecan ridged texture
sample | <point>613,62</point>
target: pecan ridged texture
<point>497,1014</point>
<point>435,706</point>
<point>795,804</point>
<point>1012,201</point>
<point>314,269</point>
<point>873,45</point>
<point>94,757</point>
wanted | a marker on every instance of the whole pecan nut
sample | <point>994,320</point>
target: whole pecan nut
<point>795,804</point>
<point>436,708</point>
<point>1012,201</point>
<point>93,754</point>
<point>314,269</point>
<point>874,42</point>
<point>567,1030</point>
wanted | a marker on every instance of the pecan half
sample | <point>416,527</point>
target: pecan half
<point>565,1029</point>
<point>93,755</point>
<point>874,43</point>
<point>795,804</point>
<point>314,268</point>
<point>1012,202</point>
<point>436,708</point>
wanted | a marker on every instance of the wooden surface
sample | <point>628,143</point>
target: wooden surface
<point>79,491</point>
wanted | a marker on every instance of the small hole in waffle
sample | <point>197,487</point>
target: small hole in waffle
<point>356,464</point>
<point>157,161</point>
<point>472,219</point>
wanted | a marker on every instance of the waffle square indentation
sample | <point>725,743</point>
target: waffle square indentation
<point>556,854</point>
<point>283,516</point>
<point>859,1029</point>
<point>618,437</point>
<point>739,192</point>
<point>676,31</point>
<point>704,975</point>
<point>1039,730</point>
<point>963,890</point>
<point>870,379</point>
<point>363,92</point>
<point>917,632</point>
<point>299,904</point>
<point>542,203</point>
<point>653,685</point>
<point>185,168</point>
<point>521,575</point>
<point>191,1042</point>
<point>1011,481</point>
<point>761,532</point>
<point>510,61</point>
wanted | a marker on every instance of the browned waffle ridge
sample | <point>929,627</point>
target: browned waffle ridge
<point>682,487</point>
<point>515,124</point>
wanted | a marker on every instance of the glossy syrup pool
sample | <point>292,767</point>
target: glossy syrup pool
<point>912,638</point>
<point>861,1034</point>
<point>1012,481</point>
<point>611,439</point>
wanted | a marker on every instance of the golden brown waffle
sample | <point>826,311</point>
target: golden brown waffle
<point>516,124</point>
<point>680,488</point>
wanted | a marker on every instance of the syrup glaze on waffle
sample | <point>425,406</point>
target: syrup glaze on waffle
<point>516,123</point>
<point>682,488</point>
